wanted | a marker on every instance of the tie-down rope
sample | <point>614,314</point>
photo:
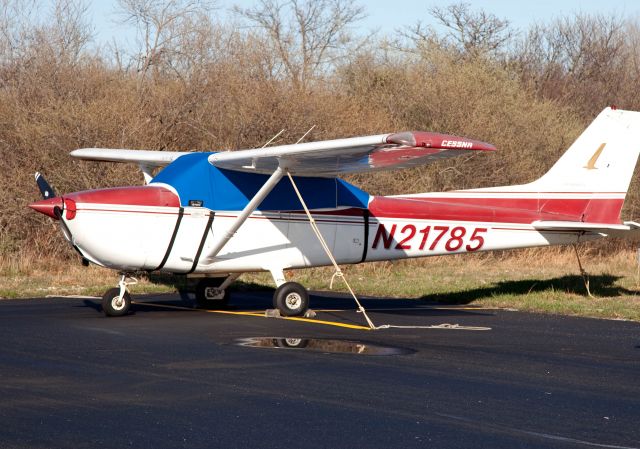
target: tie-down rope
<point>340,274</point>
<point>583,273</point>
<point>323,242</point>
<point>456,327</point>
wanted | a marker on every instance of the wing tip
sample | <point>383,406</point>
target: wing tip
<point>427,139</point>
<point>80,152</point>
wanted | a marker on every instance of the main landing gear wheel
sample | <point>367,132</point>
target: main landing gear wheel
<point>115,305</point>
<point>291,299</point>
<point>209,295</point>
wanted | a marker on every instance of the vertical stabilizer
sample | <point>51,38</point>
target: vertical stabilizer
<point>590,180</point>
<point>601,160</point>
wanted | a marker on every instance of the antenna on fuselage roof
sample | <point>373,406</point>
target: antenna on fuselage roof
<point>273,138</point>
<point>305,134</point>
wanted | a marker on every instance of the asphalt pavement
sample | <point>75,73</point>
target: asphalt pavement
<point>171,376</point>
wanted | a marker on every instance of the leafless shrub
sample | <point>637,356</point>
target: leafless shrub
<point>201,85</point>
<point>471,98</point>
<point>581,60</point>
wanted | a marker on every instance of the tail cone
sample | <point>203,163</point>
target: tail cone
<point>48,206</point>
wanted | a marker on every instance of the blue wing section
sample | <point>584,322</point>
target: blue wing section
<point>199,182</point>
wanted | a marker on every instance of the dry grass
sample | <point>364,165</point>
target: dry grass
<point>538,280</point>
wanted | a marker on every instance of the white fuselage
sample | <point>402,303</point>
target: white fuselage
<point>132,238</point>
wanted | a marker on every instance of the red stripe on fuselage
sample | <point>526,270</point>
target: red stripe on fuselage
<point>475,209</point>
<point>509,210</point>
<point>129,196</point>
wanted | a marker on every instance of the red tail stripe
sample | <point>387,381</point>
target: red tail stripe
<point>509,210</point>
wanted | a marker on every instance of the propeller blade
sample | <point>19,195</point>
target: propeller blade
<point>45,189</point>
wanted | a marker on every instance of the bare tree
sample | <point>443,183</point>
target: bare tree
<point>17,21</point>
<point>469,34</point>
<point>577,45</point>
<point>473,32</point>
<point>307,36</point>
<point>163,26</point>
<point>582,59</point>
<point>31,39</point>
<point>69,30</point>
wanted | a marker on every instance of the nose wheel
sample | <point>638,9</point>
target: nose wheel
<point>116,304</point>
<point>117,301</point>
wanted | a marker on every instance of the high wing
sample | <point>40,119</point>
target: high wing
<point>356,154</point>
<point>322,158</point>
<point>147,158</point>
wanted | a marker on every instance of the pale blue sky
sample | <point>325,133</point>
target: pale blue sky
<point>388,16</point>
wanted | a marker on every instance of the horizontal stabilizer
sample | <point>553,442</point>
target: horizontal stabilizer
<point>627,229</point>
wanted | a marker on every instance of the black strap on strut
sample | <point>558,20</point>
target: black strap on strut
<point>365,215</point>
<point>204,238</point>
<point>171,242</point>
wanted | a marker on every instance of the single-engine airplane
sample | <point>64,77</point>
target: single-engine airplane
<point>220,214</point>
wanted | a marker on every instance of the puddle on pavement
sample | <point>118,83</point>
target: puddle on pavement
<point>323,345</point>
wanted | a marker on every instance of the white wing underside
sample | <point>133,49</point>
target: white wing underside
<point>149,158</point>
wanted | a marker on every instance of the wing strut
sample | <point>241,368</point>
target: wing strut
<point>248,210</point>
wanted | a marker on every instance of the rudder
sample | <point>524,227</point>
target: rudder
<point>601,160</point>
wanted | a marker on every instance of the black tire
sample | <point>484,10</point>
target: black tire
<point>205,296</point>
<point>113,306</point>
<point>291,299</point>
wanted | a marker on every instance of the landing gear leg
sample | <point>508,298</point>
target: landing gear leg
<point>290,298</point>
<point>117,301</point>
<point>213,293</point>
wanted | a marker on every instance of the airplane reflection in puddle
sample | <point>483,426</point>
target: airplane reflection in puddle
<point>323,345</point>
